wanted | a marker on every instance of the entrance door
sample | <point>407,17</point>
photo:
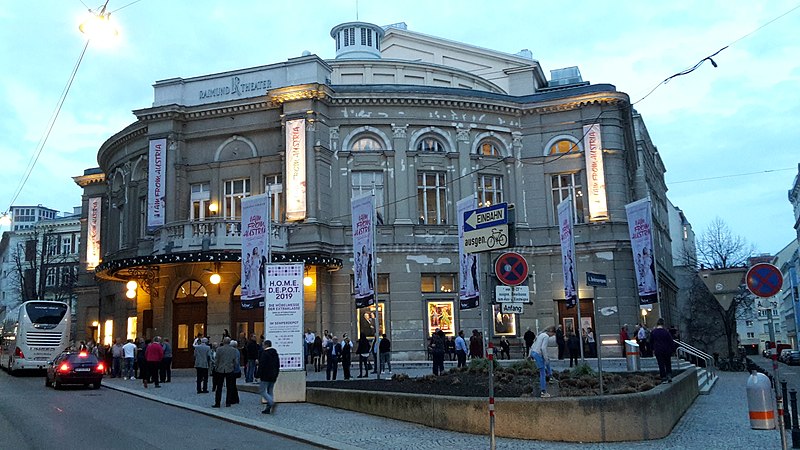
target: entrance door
<point>245,322</point>
<point>189,317</point>
<point>568,318</point>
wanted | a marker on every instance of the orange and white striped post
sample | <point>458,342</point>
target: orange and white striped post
<point>492,441</point>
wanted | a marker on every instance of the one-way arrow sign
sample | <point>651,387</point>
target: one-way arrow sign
<point>487,217</point>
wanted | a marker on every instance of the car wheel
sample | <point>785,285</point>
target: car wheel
<point>47,382</point>
<point>96,385</point>
<point>56,384</point>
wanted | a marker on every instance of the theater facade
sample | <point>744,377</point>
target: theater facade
<point>420,121</point>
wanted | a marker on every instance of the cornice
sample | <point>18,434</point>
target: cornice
<point>86,180</point>
<point>314,91</point>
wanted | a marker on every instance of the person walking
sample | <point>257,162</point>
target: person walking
<point>347,356</point>
<point>269,366</point>
<point>663,346</point>
<point>362,350</point>
<point>202,362</point>
<point>251,350</point>
<point>385,348</point>
<point>461,349</point>
<point>539,355</point>
<point>129,355</point>
<point>166,362</point>
<point>560,342</point>
<point>574,346</point>
<point>223,373</point>
<point>437,351</point>
<point>334,350</point>
<point>153,356</point>
<point>116,359</point>
<point>528,337</point>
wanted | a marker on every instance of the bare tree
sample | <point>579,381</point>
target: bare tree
<point>719,248</point>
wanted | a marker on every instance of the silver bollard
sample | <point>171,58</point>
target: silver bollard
<point>632,356</point>
<point>760,402</point>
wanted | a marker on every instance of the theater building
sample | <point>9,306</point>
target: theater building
<point>422,121</point>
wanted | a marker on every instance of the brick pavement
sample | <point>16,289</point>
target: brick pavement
<point>715,421</point>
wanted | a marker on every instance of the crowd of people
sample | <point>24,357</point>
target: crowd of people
<point>328,352</point>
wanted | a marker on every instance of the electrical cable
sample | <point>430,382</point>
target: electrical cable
<point>732,175</point>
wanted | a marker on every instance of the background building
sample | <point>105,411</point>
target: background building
<point>420,120</point>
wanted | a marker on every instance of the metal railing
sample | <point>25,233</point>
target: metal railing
<point>690,353</point>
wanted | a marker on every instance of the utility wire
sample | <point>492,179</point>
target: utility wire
<point>732,175</point>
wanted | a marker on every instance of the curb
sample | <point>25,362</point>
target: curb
<point>294,435</point>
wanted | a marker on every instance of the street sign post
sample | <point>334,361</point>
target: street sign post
<point>486,229</point>
<point>511,269</point>
<point>764,280</point>
<point>512,294</point>
<point>512,308</point>
<point>596,279</point>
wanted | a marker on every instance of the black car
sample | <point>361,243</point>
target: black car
<point>74,368</point>
<point>793,358</point>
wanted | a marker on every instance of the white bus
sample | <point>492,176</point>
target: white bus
<point>33,334</point>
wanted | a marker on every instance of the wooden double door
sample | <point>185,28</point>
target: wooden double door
<point>189,320</point>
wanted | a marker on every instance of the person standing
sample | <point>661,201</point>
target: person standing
<point>129,354</point>
<point>166,362</point>
<point>449,348</point>
<point>591,342</point>
<point>505,348</point>
<point>623,336</point>
<point>223,372</point>
<point>362,349</point>
<point>334,350</point>
<point>153,356</point>
<point>116,359</point>
<point>347,356</point>
<point>539,355</point>
<point>237,373</point>
<point>574,347</point>
<point>560,342</point>
<point>251,350</point>
<point>528,337</point>
<point>309,344</point>
<point>316,354</point>
<point>475,345</point>
<point>641,339</point>
<point>385,348</point>
<point>269,366</point>
<point>663,345</point>
<point>437,351</point>
<point>202,362</point>
<point>141,364</point>
<point>461,349</point>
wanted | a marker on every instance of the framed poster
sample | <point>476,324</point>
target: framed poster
<point>569,325</point>
<point>440,315</point>
<point>366,320</point>
<point>504,324</point>
<point>586,323</point>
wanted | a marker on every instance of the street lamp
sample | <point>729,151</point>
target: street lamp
<point>98,26</point>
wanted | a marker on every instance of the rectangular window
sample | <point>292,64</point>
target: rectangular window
<point>67,276</point>
<point>235,191</point>
<point>274,184</point>
<point>504,324</point>
<point>108,333</point>
<point>766,328</point>
<point>490,190</point>
<point>383,284</point>
<point>363,183</point>
<point>142,217</point>
<point>441,315</point>
<point>363,36</point>
<point>431,198</point>
<point>346,37</point>
<point>442,283</point>
<point>66,245</point>
<point>366,320</point>
<point>564,184</point>
<point>183,336</point>
<point>52,245</point>
<point>50,280</point>
<point>200,200</point>
<point>751,335</point>
<point>352,36</point>
<point>748,323</point>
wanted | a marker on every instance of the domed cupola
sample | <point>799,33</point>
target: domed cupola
<point>357,40</point>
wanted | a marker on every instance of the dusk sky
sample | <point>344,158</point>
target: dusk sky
<point>727,135</point>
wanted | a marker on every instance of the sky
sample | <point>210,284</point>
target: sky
<point>728,135</point>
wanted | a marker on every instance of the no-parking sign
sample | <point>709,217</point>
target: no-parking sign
<point>511,269</point>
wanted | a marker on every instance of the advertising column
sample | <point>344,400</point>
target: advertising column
<point>283,325</point>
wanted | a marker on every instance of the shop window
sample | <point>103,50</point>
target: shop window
<point>432,198</point>
<point>565,185</point>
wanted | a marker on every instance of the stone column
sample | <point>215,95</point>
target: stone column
<point>403,186</point>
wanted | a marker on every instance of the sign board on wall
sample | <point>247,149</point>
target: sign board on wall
<point>595,174</point>
<point>93,232</point>
<point>295,169</point>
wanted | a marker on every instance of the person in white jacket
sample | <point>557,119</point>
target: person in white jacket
<point>539,355</point>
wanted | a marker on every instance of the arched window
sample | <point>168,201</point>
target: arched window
<point>191,290</point>
<point>366,144</point>
<point>429,144</point>
<point>563,146</point>
<point>488,148</point>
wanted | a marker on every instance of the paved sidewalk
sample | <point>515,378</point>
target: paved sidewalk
<point>716,421</point>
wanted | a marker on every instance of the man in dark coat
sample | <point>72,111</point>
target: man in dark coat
<point>334,352</point>
<point>529,337</point>
<point>269,366</point>
<point>251,350</point>
<point>346,356</point>
<point>560,341</point>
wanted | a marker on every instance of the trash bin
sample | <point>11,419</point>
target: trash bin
<point>760,402</point>
<point>632,356</point>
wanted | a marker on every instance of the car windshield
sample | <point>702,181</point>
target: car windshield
<point>46,313</point>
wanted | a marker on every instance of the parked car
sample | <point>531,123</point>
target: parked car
<point>793,359</point>
<point>783,354</point>
<point>74,368</point>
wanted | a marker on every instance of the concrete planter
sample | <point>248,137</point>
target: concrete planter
<point>610,418</point>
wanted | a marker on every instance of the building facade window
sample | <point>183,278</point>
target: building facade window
<point>142,217</point>
<point>490,190</point>
<point>437,283</point>
<point>273,184</point>
<point>50,279</point>
<point>430,144</point>
<point>200,199</point>
<point>363,183</point>
<point>383,284</point>
<point>431,198</point>
<point>751,335</point>
<point>563,146</point>
<point>488,148</point>
<point>190,290</point>
<point>748,323</point>
<point>564,185</point>
<point>235,191</point>
<point>366,144</point>
<point>66,244</point>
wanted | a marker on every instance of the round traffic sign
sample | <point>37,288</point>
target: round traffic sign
<point>511,269</point>
<point>764,280</point>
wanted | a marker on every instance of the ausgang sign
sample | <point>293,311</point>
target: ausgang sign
<point>486,228</point>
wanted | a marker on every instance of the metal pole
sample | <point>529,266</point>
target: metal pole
<point>373,276</point>
<point>786,422</point>
<point>599,347</point>
<point>778,398</point>
<point>492,439</point>
<point>795,426</point>
<point>575,269</point>
<point>488,346</point>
